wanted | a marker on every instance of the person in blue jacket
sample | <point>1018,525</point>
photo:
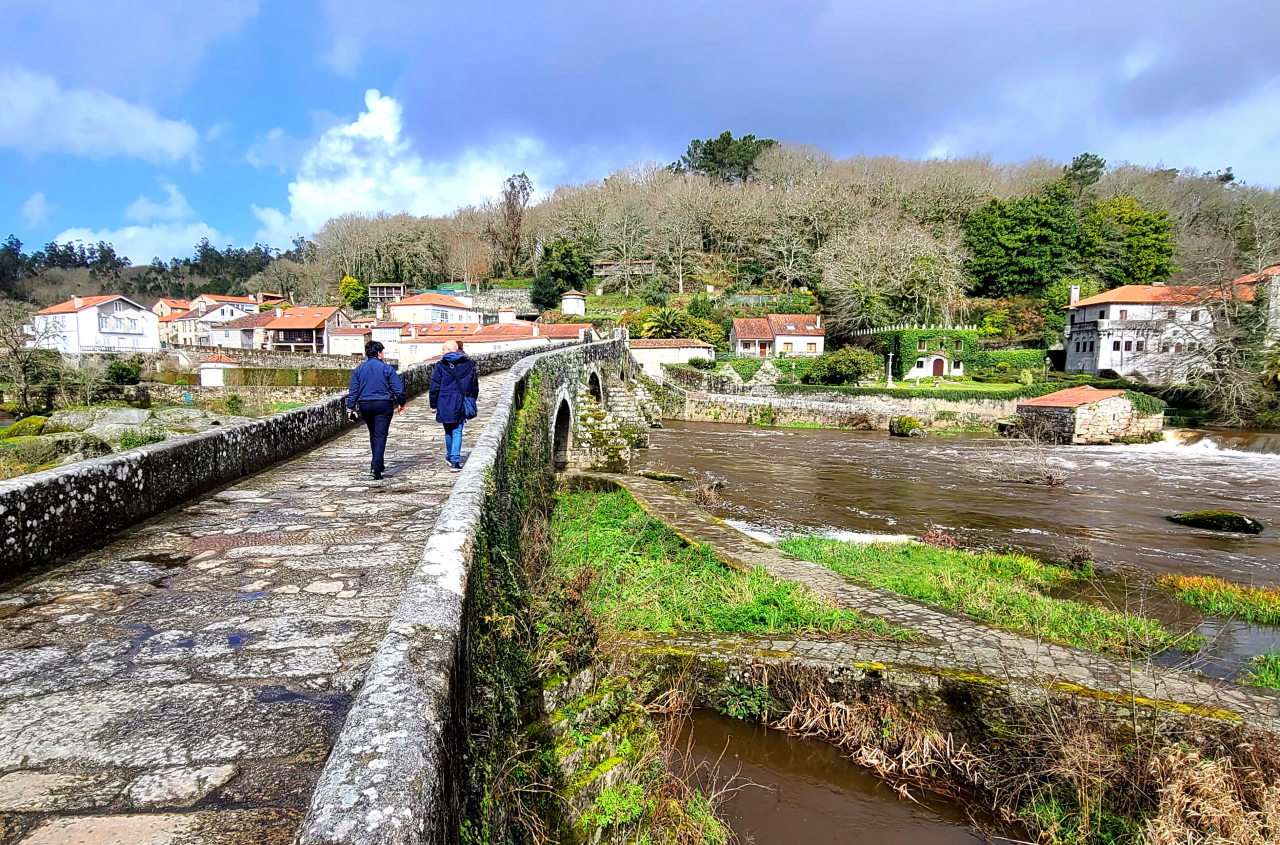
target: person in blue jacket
<point>377,389</point>
<point>453,383</point>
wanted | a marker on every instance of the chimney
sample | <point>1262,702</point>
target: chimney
<point>507,315</point>
<point>819,321</point>
<point>536,331</point>
<point>77,302</point>
<point>201,309</point>
<point>1075,294</point>
<point>279,312</point>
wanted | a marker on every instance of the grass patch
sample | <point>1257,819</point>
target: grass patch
<point>1003,589</point>
<point>277,407</point>
<point>645,578</point>
<point>1215,597</point>
<point>1264,671</point>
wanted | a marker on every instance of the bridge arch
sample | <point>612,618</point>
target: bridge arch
<point>595,385</point>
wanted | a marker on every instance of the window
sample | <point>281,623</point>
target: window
<point>1077,346</point>
<point>1128,346</point>
<point>1115,346</point>
<point>1091,349</point>
<point>1171,314</point>
<point>922,345</point>
<point>1102,314</point>
<point>102,324</point>
<point>135,341</point>
<point>919,361</point>
<point>119,324</point>
<point>786,347</point>
<point>1124,315</point>
<point>812,347</point>
<point>1141,346</point>
<point>1164,347</point>
<point>133,325</point>
<point>959,345</point>
<point>1177,347</point>
<point>1073,318</point>
<point>119,305</point>
<point>1195,316</point>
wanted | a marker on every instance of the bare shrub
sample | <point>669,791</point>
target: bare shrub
<point>1079,556</point>
<point>1211,801</point>
<point>937,536</point>
<point>706,490</point>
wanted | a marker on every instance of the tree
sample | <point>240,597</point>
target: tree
<point>1084,170</point>
<point>724,158</point>
<point>564,267</point>
<point>505,227</point>
<point>124,372</point>
<point>13,264</point>
<point>655,293</point>
<point>625,236</point>
<point>353,292</point>
<point>665,322</point>
<point>25,354</point>
<point>468,259</point>
<point>1019,246</point>
<point>845,366</point>
<point>700,306</point>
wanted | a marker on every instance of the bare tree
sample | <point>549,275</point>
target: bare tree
<point>625,237</point>
<point>505,227</point>
<point>26,347</point>
<point>468,259</point>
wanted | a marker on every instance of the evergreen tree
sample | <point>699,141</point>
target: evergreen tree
<point>353,292</point>
<point>725,158</point>
<point>564,267</point>
<point>1020,246</point>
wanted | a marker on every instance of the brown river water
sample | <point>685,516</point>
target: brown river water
<point>791,791</point>
<point>1115,500</point>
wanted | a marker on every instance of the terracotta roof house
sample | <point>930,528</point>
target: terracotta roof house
<point>247,332</point>
<point>305,329</point>
<point>651,353</point>
<point>1087,415</point>
<point>1155,333</point>
<point>165,306</point>
<point>778,335</point>
<point>350,340</point>
<point>96,324</point>
<point>432,308</point>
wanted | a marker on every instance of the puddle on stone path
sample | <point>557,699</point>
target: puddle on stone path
<point>804,791</point>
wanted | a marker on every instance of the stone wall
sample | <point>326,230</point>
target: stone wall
<point>175,394</point>
<point>394,776</point>
<point>1111,419</point>
<point>47,514</point>
<point>1057,425</point>
<point>870,416</point>
<point>187,357</point>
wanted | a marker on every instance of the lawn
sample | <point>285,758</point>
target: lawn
<point>1004,589</point>
<point>644,578</point>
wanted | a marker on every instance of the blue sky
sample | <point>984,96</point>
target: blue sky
<point>152,123</point>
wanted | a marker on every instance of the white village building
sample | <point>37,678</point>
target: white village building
<point>110,323</point>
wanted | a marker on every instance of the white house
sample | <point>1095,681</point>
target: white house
<point>432,308</point>
<point>247,332</point>
<point>213,370</point>
<point>936,357</point>
<point>197,327</point>
<point>110,323</point>
<point>348,341</point>
<point>212,301</point>
<point>778,335</point>
<point>1157,333</point>
<point>652,353</point>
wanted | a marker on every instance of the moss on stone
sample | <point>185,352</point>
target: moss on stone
<point>904,426</point>
<point>26,427</point>
<point>1218,521</point>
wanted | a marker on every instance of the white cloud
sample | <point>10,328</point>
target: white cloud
<point>37,209</point>
<point>171,232</point>
<point>277,149</point>
<point>37,116</point>
<point>369,166</point>
<point>173,209</point>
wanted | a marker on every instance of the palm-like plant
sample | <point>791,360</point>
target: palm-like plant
<point>665,322</point>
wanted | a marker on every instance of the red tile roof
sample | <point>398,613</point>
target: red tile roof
<point>69,307</point>
<point>1246,288</point>
<point>351,331</point>
<point>795,324</point>
<point>219,359</point>
<point>390,325</point>
<point>217,297</point>
<point>669,343</point>
<point>180,304</point>
<point>752,328</point>
<point>431,299</point>
<point>303,318</point>
<point>173,315</point>
<point>1072,397</point>
<point>506,331</point>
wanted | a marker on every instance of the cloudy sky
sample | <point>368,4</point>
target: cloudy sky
<point>153,123</point>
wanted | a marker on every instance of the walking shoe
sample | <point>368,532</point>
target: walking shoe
<point>376,476</point>
<point>456,466</point>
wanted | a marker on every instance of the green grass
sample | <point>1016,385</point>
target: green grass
<point>1215,597</point>
<point>277,407</point>
<point>648,579</point>
<point>1264,671</point>
<point>1003,589</point>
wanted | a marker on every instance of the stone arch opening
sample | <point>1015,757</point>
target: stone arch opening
<point>595,388</point>
<point>560,444</point>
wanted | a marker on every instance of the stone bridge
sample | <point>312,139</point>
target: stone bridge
<point>239,637</point>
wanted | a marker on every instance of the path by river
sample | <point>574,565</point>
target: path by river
<point>1115,497</point>
<point>185,682</point>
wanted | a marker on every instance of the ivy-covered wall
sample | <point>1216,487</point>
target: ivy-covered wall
<point>904,344</point>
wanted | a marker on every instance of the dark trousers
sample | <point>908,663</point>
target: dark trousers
<point>377,416</point>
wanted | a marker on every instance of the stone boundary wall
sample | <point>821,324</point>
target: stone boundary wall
<point>747,410</point>
<point>267,359</point>
<point>698,381</point>
<point>175,394</point>
<point>50,513</point>
<point>393,777</point>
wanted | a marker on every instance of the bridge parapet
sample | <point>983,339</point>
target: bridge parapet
<point>395,775</point>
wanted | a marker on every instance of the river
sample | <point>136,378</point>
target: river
<point>792,791</point>
<point>1115,498</point>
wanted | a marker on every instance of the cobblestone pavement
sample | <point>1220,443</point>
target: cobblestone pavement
<point>185,682</point>
<point>957,644</point>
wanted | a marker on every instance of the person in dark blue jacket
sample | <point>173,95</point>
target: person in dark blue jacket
<point>453,382</point>
<point>377,389</point>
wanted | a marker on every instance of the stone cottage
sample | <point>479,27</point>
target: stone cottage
<point>1087,415</point>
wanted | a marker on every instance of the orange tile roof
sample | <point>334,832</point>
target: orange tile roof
<point>669,343</point>
<point>219,359</point>
<point>390,325</point>
<point>69,306</point>
<point>443,329</point>
<point>173,315</point>
<point>752,328</point>
<point>180,304</point>
<point>795,324</point>
<point>303,318</point>
<point>506,331</point>
<point>1072,397</point>
<point>351,331</point>
<point>217,297</point>
<point>1246,288</point>
<point>573,293</point>
<point>431,299</point>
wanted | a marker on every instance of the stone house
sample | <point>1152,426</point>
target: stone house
<point>1087,415</point>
